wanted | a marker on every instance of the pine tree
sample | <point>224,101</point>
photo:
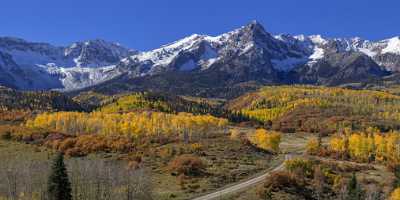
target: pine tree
<point>354,189</point>
<point>59,187</point>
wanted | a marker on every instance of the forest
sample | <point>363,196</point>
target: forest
<point>313,108</point>
<point>150,145</point>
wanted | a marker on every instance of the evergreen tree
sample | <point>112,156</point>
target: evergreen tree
<point>354,189</point>
<point>59,187</point>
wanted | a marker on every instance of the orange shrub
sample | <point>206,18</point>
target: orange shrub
<point>85,144</point>
<point>283,180</point>
<point>188,165</point>
<point>66,144</point>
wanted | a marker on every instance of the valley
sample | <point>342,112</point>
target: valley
<point>279,142</point>
<point>199,100</point>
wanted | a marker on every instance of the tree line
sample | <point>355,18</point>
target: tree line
<point>272,102</point>
<point>133,125</point>
<point>370,145</point>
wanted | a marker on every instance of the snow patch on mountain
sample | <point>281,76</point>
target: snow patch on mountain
<point>43,66</point>
<point>188,66</point>
<point>287,64</point>
<point>318,54</point>
<point>368,52</point>
<point>167,53</point>
<point>80,77</point>
<point>318,39</point>
<point>393,46</point>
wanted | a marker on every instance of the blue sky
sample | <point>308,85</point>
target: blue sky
<point>147,24</point>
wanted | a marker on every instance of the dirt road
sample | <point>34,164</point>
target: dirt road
<point>243,185</point>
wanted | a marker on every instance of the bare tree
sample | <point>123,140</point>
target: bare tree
<point>319,182</point>
<point>91,179</point>
<point>374,193</point>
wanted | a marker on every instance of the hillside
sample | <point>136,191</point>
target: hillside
<point>36,101</point>
<point>92,100</point>
<point>313,109</point>
<point>159,102</point>
<point>192,146</point>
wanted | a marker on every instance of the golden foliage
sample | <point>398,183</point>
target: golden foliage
<point>272,102</point>
<point>395,195</point>
<point>268,140</point>
<point>133,125</point>
<point>136,101</point>
<point>338,144</point>
<point>368,146</point>
<point>313,146</point>
<point>299,165</point>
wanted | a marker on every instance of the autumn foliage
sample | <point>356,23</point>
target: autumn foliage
<point>371,145</point>
<point>315,109</point>
<point>267,140</point>
<point>395,194</point>
<point>313,146</point>
<point>133,125</point>
<point>188,165</point>
<point>299,165</point>
<point>86,144</point>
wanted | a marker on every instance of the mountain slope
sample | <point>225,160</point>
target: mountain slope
<point>199,64</point>
<point>36,66</point>
<point>249,56</point>
<point>36,101</point>
<point>299,108</point>
<point>340,68</point>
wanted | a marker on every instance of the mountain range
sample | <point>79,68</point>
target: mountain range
<point>199,64</point>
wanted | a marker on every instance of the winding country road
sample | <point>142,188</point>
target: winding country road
<point>240,186</point>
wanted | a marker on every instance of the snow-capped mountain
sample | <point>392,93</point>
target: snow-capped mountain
<point>35,66</point>
<point>281,52</point>
<point>201,52</point>
<point>249,53</point>
<point>96,53</point>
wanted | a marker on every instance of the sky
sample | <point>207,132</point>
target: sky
<point>148,24</point>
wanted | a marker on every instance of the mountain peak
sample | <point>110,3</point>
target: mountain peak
<point>255,26</point>
<point>254,22</point>
<point>96,53</point>
<point>318,39</point>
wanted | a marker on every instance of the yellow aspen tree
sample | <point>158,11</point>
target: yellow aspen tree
<point>395,195</point>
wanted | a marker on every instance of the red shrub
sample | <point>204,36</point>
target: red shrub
<point>188,165</point>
